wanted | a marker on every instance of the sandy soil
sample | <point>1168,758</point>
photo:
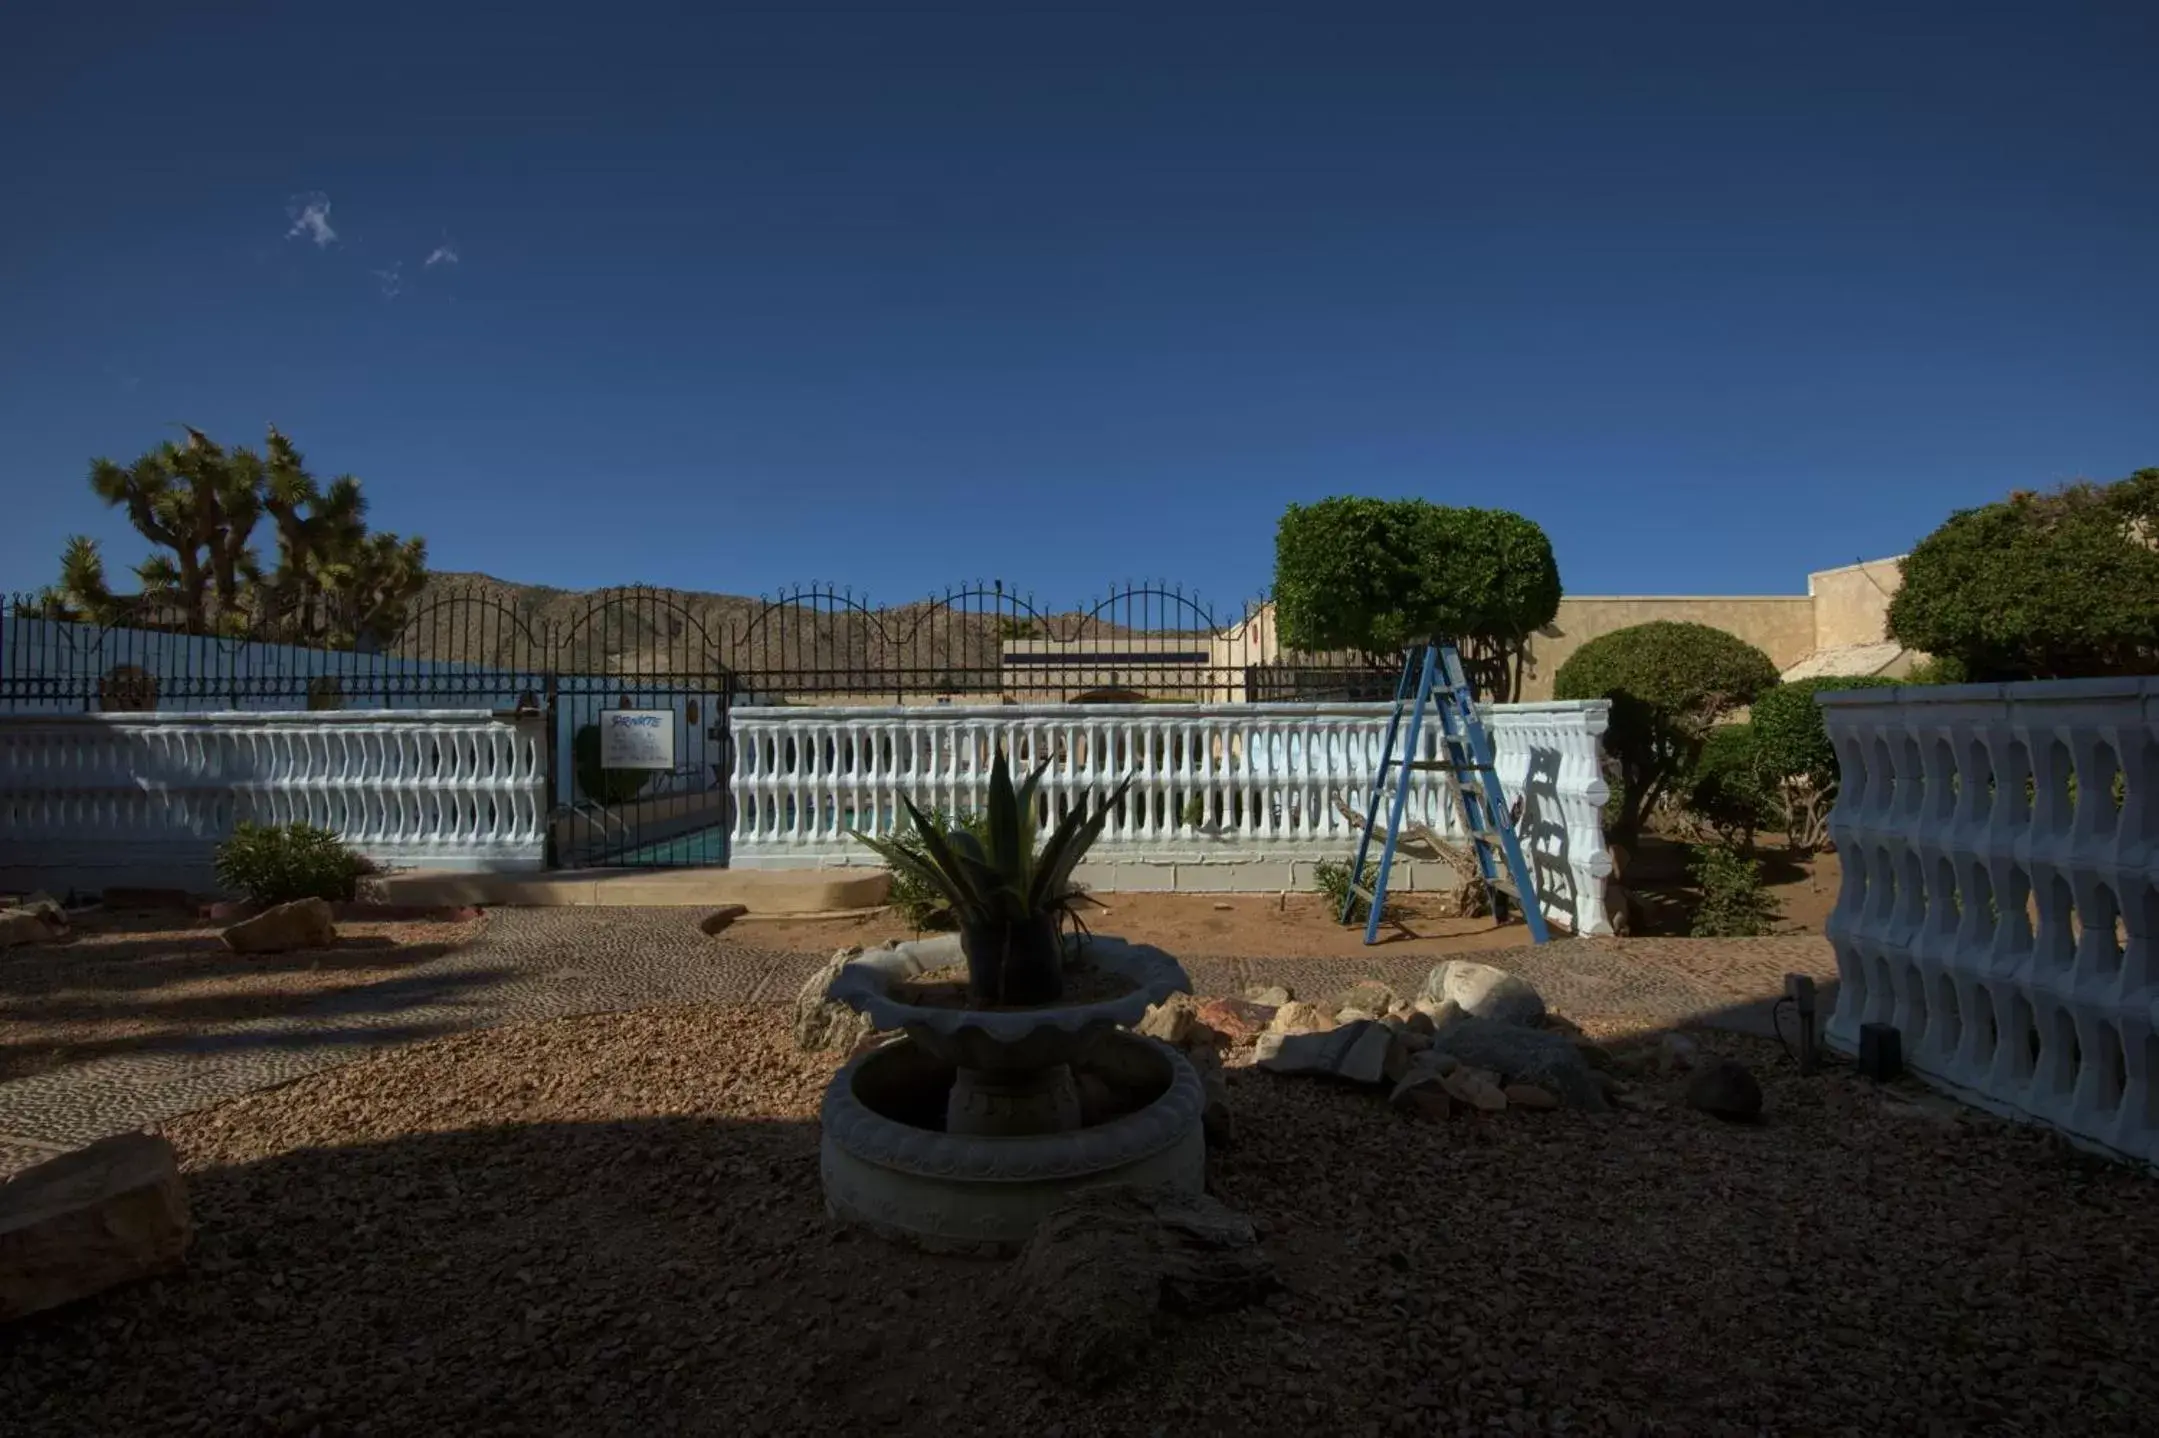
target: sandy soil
<point>1804,886</point>
<point>1252,926</point>
<point>613,1225</point>
<point>121,979</point>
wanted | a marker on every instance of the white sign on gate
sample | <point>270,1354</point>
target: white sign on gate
<point>637,739</point>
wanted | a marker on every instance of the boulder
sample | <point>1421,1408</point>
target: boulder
<point>1422,1095</point>
<point>1474,1090</point>
<point>1724,1089</point>
<point>301,924</point>
<point>1439,1013</point>
<point>1369,997</point>
<point>81,1223</point>
<point>1677,1054</point>
<point>1530,1096</point>
<point>1485,992</point>
<point>716,922</point>
<point>1298,1017</point>
<point>1087,1293</point>
<point>1520,1055</point>
<point>1272,995</point>
<point>1236,1021</point>
<point>21,926</point>
<point>1367,1052</point>
<point>1172,1021</point>
<point>822,1023</point>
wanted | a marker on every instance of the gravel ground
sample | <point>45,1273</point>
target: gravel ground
<point>611,1224</point>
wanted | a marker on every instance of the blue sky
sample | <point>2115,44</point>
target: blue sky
<point>1716,293</point>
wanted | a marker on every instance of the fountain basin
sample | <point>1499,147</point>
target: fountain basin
<point>1005,1040</point>
<point>888,1167</point>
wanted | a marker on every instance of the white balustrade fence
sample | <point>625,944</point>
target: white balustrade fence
<point>2000,905</point>
<point>89,801</point>
<point>1215,787</point>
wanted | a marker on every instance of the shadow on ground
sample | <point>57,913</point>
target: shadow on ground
<point>613,1225</point>
<point>277,1008</point>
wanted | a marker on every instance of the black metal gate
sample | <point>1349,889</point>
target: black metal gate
<point>665,668</point>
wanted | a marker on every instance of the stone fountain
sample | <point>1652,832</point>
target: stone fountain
<point>964,1133</point>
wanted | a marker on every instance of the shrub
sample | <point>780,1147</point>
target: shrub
<point>1331,878</point>
<point>1669,684</point>
<point>1796,758</point>
<point>1732,904</point>
<point>2053,586</point>
<point>603,786</point>
<point>919,902</point>
<point>1195,812</point>
<point>1934,670</point>
<point>1378,576</point>
<point>1730,793</point>
<point>276,864</point>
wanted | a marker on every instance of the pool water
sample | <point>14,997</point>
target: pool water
<point>706,846</point>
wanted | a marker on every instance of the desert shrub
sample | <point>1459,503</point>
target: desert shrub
<point>1378,576</point>
<point>1932,670</point>
<point>1733,904</point>
<point>603,786</point>
<point>278,863</point>
<point>917,902</point>
<point>1669,683</point>
<point>1330,878</point>
<point>1730,793</point>
<point>2040,586</point>
<point>1797,761</point>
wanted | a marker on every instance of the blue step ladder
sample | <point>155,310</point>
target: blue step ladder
<point>1436,681</point>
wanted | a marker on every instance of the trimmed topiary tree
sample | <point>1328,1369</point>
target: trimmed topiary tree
<point>1378,576</point>
<point>1730,792</point>
<point>1669,683</point>
<point>603,786</point>
<point>1792,746</point>
<point>2052,586</point>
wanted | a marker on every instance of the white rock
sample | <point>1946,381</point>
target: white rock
<point>1486,992</point>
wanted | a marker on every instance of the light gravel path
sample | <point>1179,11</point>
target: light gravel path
<point>550,963</point>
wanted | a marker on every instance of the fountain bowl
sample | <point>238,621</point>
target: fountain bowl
<point>888,1168</point>
<point>1005,1040</point>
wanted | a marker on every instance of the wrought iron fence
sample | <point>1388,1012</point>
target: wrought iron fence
<point>500,645</point>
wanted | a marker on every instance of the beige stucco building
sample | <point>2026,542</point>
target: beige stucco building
<point>1838,626</point>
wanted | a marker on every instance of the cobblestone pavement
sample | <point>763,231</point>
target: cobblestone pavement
<point>548,963</point>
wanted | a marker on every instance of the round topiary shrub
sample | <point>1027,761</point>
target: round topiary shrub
<point>1669,683</point>
<point>1792,745</point>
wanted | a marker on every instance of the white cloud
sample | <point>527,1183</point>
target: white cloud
<point>392,280</point>
<point>442,254</point>
<point>310,214</point>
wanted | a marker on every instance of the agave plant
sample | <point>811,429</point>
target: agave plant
<point>1005,895</point>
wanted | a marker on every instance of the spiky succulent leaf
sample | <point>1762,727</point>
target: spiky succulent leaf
<point>1053,873</point>
<point>937,850</point>
<point>904,860</point>
<point>1004,818</point>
